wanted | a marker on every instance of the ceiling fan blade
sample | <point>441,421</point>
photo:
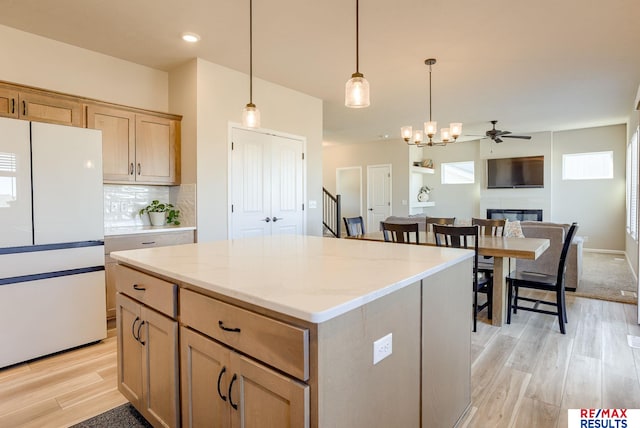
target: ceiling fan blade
<point>500,133</point>
<point>497,140</point>
<point>523,137</point>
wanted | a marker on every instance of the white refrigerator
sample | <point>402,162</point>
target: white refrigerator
<point>52,282</point>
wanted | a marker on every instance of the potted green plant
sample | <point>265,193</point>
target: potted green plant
<point>159,213</point>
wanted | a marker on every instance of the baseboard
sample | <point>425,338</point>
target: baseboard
<point>602,250</point>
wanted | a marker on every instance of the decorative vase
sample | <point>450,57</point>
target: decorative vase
<point>157,219</point>
<point>423,197</point>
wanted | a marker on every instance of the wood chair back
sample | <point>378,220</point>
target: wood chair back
<point>490,227</point>
<point>449,221</point>
<point>401,233</point>
<point>354,225</point>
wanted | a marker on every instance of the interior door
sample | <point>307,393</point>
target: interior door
<point>15,183</point>
<point>378,195</point>
<point>267,184</point>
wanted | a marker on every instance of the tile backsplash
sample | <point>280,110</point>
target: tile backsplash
<point>123,202</point>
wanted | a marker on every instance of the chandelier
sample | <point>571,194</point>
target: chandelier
<point>447,135</point>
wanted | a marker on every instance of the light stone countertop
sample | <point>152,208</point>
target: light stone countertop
<point>132,230</point>
<point>308,277</point>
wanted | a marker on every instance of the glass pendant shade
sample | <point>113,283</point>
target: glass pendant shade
<point>445,135</point>
<point>251,116</point>
<point>406,132</point>
<point>356,94</point>
<point>418,136</point>
<point>430,128</point>
<point>455,129</point>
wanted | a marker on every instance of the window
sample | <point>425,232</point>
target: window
<point>632,185</point>
<point>458,172</point>
<point>587,166</point>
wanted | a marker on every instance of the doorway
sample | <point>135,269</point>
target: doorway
<point>378,194</point>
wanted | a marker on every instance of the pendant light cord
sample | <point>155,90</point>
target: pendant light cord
<point>357,36</point>
<point>430,93</point>
<point>251,51</point>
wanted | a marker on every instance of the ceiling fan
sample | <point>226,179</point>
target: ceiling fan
<point>496,134</point>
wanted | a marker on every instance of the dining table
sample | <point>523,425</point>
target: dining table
<point>504,250</point>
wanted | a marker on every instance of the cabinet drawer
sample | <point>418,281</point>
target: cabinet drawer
<point>278,344</point>
<point>147,240</point>
<point>159,294</point>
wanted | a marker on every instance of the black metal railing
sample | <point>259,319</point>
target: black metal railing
<point>331,217</point>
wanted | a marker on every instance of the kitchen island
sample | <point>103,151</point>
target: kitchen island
<point>284,331</point>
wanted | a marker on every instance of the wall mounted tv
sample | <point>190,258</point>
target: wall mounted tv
<point>511,173</point>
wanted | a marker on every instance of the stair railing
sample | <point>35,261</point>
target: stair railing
<point>331,216</point>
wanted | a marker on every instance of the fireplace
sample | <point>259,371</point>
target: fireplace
<point>512,214</point>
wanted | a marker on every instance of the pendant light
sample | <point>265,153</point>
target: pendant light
<point>356,94</point>
<point>250,113</point>
<point>447,135</point>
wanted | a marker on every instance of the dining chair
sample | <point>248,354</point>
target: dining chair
<point>544,282</point>
<point>400,233</point>
<point>467,237</point>
<point>489,227</point>
<point>354,226</point>
<point>449,221</point>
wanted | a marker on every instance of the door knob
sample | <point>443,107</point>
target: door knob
<point>276,219</point>
<point>370,209</point>
<point>267,219</point>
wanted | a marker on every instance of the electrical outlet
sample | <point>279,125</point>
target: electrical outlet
<point>313,204</point>
<point>382,348</point>
<point>404,202</point>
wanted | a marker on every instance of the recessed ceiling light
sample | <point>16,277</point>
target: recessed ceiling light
<point>190,37</point>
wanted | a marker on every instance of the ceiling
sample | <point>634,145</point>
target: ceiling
<point>535,66</point>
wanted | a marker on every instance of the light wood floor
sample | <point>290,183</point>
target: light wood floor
<point>526,374</point>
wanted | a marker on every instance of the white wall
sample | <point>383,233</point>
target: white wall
<point>597,205</point>
<point>394,152</point>
<point>44,63</point>
<point>220,94</point>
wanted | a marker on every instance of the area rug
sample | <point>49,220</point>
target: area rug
<point>607,277</point>
<point>121,416</point>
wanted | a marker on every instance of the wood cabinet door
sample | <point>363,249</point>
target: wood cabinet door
<point>266,398</point>
<point>118,141</point>
<point>8,103</point>
<point>156,150</point>
<point>129,349</point>
<point>205,376</point>
<point>159,335</point>
<point>50,109</point>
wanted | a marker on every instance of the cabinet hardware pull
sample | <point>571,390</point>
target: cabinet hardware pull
<point>221,325</point>
<point>233,379</point>
<point>276,219</point>
<point>133,326</point>
<point>139,168</point>
<point>131,168</point>
<point>148,243</point>
<point>24,108</point>
<point>13,105</point>
<point>224,369</point>
<point>139,327</point>
<point>137,287</point>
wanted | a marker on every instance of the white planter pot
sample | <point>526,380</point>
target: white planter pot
<point>157,219</point>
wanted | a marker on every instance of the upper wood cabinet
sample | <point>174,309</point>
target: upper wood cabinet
<point>40,107</point>
<point>137,147</point>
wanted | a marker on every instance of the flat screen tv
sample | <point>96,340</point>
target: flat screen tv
<point>512,173</point>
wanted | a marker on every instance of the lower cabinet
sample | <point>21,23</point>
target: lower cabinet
<point>222,388</point>
<point>148,361</point>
